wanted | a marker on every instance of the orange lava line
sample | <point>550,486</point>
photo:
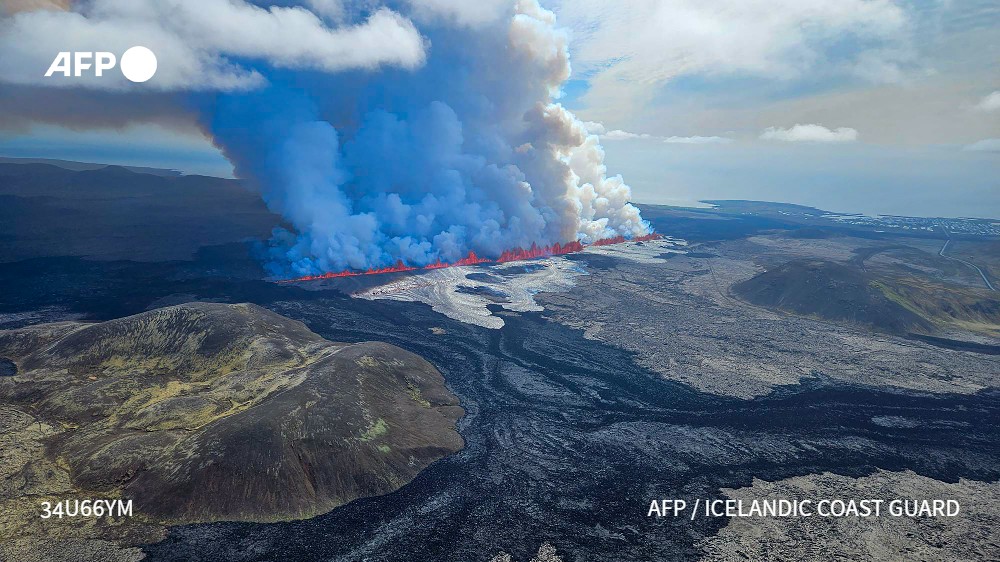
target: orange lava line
<point>517,254</point>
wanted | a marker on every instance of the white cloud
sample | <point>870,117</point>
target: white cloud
<point>618,134</point>
<point>595,128</point>
<point>632,48</point>
<point>697,140</point>
<point>330,9</point>
<point>985,145</point>
<point>810,133</point>
<point>194,40</point>
<point>463,12</point>
<point>989,103</point>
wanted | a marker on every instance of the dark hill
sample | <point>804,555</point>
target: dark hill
<point>830,291</point>
<point>115,213</point>
<point>205,412</point>
<point>78,166</point>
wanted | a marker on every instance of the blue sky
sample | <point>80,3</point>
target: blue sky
<point>872,105</point>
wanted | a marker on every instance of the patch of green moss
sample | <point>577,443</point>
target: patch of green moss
<point>414,393</point>
<point>376,430</point>
<point>898,298</point>
<point>366,361</point>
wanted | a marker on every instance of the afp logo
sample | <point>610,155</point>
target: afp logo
<point>138,64</point>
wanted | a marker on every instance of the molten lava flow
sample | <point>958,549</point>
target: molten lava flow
<point>399,267</point>
<point>534,252</point>
<point>517,254</point>
<point>471,259</point>
<point>622,239</point>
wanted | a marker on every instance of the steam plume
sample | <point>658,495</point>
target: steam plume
<point>468,152</point>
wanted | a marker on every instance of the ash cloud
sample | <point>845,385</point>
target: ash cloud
<point>469,152</point>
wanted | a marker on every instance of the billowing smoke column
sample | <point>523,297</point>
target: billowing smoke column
<point>466,153</point>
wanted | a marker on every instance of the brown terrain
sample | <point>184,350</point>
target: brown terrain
<point>204,412</point>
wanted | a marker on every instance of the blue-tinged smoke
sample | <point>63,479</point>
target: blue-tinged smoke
<point>467,152</point>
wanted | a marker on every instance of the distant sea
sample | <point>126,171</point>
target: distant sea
<point>868,179</point>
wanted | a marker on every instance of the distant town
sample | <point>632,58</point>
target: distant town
<point>938,227</point>
<point>976,227</point>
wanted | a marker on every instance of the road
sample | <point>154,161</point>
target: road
<point>972,265</point>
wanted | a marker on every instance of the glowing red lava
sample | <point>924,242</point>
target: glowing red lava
<point>517,254</point>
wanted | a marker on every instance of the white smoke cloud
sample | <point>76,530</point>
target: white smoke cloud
<point>810,133</point>
<point>196,42</point>
<point>468,152</point>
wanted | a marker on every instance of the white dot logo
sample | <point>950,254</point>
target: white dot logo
<point>138,64</point>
